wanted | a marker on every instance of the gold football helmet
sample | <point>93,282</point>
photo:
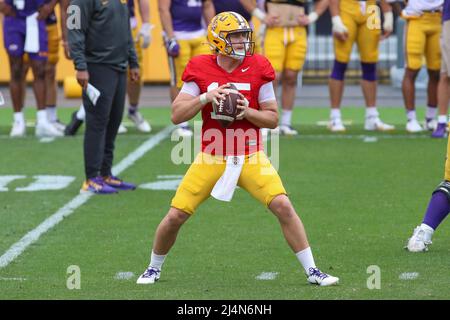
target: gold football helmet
<point>224,25</point>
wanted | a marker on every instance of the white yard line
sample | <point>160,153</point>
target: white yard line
<point>20,246</point>
<point>267,276</point>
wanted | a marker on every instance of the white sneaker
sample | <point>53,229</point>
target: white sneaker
<point>287,130</point>
<point>316,276</point>
<point>184,132</point>
<point>151,275</point>
<point>430,124</point>
<point>18,129</point>
<point>141,124</point>
<point>46,129</point>
<point>413,126</point>
<point>122,129</point>
<point>420,240</point>
<point>375,124</point>
<point>336,125</point>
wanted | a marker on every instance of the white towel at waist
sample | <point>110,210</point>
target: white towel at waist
<point>225,186</point>
<point>32,34</point>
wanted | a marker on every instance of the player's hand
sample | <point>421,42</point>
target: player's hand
<point>146,34</point>
<point>218,94</point>
<point>388,24</point>
<point>339,30</point>
<point>243,106</point>
<point>7,9</point>
<point>134,74</point>
<point>304,20</point>
<point>44,11</point>
<point>173,48</point>
<point>66,48</point>
<point>272,20</point>
<point>83,78</point>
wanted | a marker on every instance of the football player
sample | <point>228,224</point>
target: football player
<point>439,205</point>
<point>142,40</point>
<point>206,79</point>
<point>285,45</point>
<point>357,21</point>
<point>422,34</point>
<point>184,36</point>
<point>15,33</point>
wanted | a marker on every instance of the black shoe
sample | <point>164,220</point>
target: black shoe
<point>73,126</point>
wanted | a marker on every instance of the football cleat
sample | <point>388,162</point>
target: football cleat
<point>288,130</point>
<point>413,126</point>
<point>46,129</point>
<point>420,240</point>
<point>431,124</point>
<point>18,129</point>
<point>184,132</point>
<point>316,276</point>
<point>75,123</point>
<point>141,124</point>
<point>151,275</point>
<point>58,125</point>
<point>336,125</point>
<point>375,124</point>
<point>122,129</point>
<point>440,132</point>
<point>98,186</point>
<point>119,184</point>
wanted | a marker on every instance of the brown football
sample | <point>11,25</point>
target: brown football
<point>226,111</point>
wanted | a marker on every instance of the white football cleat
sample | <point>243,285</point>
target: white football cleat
<point>413,126</point>
<point>58,125</point>
<point>141,124</point>
<point>375,124</point>
<point>430,124</point>
<point>151,275</point>
<point>420,239</point>
<point>18,129</point>
<point>122,129</point>
<point>316,276</point>
<point>183,132</point>
<point>47,129</point>
<point>336,125</point>
<point>287,130</point>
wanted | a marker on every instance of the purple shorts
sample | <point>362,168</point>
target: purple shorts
<point>14,30</point>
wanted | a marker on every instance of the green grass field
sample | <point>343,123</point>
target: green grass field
<point>359,198</point>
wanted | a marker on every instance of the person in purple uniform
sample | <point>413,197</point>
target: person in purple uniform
<point>439,205</point>
<point>24,31</point>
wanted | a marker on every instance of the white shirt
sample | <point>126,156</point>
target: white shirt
<point>417,7</point>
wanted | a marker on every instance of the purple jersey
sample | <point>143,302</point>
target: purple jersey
<point>231,5</point>
<point>186,15</point>
<point>446,11</point>
<point>24,8</point>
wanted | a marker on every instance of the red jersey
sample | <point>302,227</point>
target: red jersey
<point>241,137</point>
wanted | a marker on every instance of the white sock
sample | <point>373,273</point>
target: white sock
<point>306,259</point>
<point>41,116</point>
<point>81,113</point>
<point>51,113</point>
<point>156,261</point>
<point>286,117</point>
<point>411,115</point>
<point>335,114</point>
<point>372,112</point>
<point>427,228</point>
<point>183,124</point>
<point>19,117</point>
<point>442,119</point>
<point>431,112</point>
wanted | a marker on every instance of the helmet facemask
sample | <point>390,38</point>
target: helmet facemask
<point>238,54</point>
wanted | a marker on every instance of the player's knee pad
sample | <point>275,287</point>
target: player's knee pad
<point>369,71</point>
<point>339,69</point>
<point>444,187</point>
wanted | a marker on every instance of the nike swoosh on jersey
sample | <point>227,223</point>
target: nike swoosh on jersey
<point>244,70</point>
